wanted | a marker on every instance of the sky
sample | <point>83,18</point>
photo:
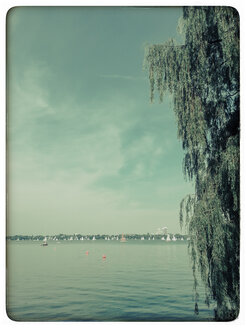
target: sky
<point>87,151</point>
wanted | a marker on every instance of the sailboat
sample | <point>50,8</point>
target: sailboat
<point>44,242</point>
<point>123,239</point>
<point>168,238</point>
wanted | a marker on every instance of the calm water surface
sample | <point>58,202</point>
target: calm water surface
<point>138,280</point>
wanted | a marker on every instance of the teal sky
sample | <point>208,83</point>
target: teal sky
<point>87,151</point>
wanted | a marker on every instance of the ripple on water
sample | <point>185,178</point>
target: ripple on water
<point>135,282</point>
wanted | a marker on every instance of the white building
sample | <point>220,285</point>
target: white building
<point>165,230</point>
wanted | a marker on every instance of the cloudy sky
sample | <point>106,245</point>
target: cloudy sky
<point>87,152</point>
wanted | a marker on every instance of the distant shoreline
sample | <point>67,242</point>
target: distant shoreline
<point>81,237</point>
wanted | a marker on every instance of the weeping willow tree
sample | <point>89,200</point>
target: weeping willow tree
<point>202,74</point>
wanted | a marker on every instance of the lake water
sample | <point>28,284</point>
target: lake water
<point>138,281</point>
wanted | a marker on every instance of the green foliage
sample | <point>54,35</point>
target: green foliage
<point>203,76</point>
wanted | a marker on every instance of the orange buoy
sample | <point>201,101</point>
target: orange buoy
<point>87,252</point>
<point>104,256</point>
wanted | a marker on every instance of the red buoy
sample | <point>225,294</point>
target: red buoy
<point>104,256</point>
<point>87,252</point>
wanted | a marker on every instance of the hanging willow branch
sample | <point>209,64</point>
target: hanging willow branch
<point>203,77</point>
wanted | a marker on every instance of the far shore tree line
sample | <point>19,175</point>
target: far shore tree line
<point>68,237</point>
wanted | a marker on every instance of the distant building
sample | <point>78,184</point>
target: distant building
<point>161,231</point>
<point>165,230</point>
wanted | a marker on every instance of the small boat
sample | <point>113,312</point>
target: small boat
<point>174,238</point>
<point>44,242</point>
<point>123,239</point>
<point>142,238</point>
<point>94,238</point>
<point>168,238</point>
